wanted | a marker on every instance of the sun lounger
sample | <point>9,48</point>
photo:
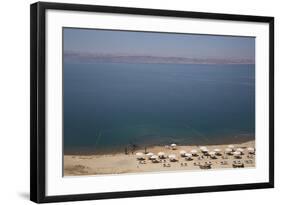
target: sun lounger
<point>238,165</point>
<point>205,166</point>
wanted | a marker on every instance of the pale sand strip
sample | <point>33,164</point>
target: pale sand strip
<point>120,163</point>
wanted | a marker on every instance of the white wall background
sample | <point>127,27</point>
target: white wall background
<point>14,100</point>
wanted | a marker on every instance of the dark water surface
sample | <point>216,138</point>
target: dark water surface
<point>108,106</point>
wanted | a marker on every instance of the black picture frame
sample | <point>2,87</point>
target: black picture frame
<point>38,103</point>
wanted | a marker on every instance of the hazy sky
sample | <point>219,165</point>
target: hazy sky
<point>158,44</point>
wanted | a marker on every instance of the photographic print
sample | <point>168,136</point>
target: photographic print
<point>131,102</point>
<point>138,102</point>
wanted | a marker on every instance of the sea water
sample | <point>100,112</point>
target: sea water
<point>108,106</point>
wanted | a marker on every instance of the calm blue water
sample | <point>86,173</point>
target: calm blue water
<point>109,106</point>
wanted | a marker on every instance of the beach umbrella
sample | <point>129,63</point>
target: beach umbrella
<point>217,150</point>
<point>173,146</point>
<point>228,150</point>
<point>193,152</point>
<point>212,154</point>
<point>202,148</point>
<point>161,155</point>
<point>149,154</point>
<point>154,157</point>
<point>205,150</point>
<point>251,150</point>
<point>172,157</point>
<point>139,155</point>
<point>182,153</point>
<point>240,150</point>
<point>231,146</point>
<point>188,155</point>
<point>236,153</point>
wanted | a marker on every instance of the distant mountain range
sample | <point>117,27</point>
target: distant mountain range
<point>72,56</point>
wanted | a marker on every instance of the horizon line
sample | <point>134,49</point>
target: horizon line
<point>127,58</point>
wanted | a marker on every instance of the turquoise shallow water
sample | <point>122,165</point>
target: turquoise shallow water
<point>108,106</point>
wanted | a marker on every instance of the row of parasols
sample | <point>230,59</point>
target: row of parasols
<point>172,157</point>
<point>152,156</point>
<point>229,150</point>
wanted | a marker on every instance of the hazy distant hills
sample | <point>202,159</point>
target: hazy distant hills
<point>72,56</point>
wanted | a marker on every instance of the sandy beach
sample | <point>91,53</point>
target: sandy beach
<point>119,163</point>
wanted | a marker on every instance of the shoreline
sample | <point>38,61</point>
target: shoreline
<point>120,163</point>
<point>121,150</point>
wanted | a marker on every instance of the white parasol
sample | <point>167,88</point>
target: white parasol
<point>251,150</point>
<point>182,153</point>
<point>194,151</point>
<point>228,150</point>
<point>140,155</point>
<point>188,155</point>
<point>154,157</point>
<point>240,150</point>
